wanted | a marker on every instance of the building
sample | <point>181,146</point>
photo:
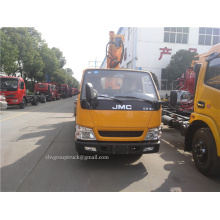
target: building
<point>151,48</point>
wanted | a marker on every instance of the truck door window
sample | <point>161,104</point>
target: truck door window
<point>212,77</point>
<point>21,85</point>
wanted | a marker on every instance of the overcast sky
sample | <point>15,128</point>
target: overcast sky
<point>78,44</point>
<point>80,29</point>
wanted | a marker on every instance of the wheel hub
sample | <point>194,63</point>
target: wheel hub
<point>201,151</point>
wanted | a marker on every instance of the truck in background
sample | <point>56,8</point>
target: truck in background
<point>202,128</point>
<point>56,90</point>
<point>64,91</point>
<point>46,90</point>
<point>14,90</point>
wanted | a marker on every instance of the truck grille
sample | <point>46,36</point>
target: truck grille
<point>9,96</point>
<point>120,133</point>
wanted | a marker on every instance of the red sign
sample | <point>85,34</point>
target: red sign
<point>165,50</point>
<point>193,50</point>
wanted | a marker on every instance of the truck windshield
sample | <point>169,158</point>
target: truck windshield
<point>41,86</point>
<point>120,83</point>
<point>9,84</point>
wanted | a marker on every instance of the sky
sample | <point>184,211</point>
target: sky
<point>79,45</point>
<point>80,29</point>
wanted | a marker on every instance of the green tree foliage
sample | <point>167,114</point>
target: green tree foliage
<point>179,63</point>
<point>8,55</point>
<point>51,63</point>
<point>69,71</point>
<point>59,56</point>
<point>24,51</point>
<point>20,38</point>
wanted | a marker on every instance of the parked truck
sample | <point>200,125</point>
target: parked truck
<point>70,92</point>
<point>14,90</point>
<point>64,91</point>
<point>45,90</point>
<point>202,128</point>
<point>56,90</point>
<point>118,111</point>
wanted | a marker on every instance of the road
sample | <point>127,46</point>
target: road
<point>36,141</point>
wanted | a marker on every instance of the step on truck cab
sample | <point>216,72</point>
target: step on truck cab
<point>203,133</point>
<point>118,112</point>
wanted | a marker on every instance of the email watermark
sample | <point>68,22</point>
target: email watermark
<point>77,157</point>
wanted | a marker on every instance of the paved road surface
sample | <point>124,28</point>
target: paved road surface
<point>32,135</point>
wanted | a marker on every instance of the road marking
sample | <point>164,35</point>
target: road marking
<point>24,113</point>
<point>167,143</point>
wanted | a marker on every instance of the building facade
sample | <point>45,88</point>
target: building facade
<point>151,48</point>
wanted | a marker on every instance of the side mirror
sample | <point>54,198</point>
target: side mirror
<point>21,85</point>
<point>91,93</point>
<point>196,68</point>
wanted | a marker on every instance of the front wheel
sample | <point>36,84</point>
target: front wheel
<point>205,152</point>
<point>23,103</point>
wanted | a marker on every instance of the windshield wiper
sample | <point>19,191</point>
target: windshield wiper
<point>133,97</point>
<point>111,98</point>
<point>157,104</point>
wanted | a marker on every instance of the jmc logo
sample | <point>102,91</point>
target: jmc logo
<point>128,107</point>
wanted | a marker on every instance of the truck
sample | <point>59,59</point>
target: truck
<point>202,128</point>
<point>75,91</point>
<point>70,91</point>
<point>14,91</point>
<point>45,90</point>
<point>118,111</point>
<point>64,91</point>
<point>56,90</point>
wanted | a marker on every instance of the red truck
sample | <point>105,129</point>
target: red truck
<point>13,88</point>
<point>75,91</point>
<point>64,91</point>
<point>181,100</point>
<point>47,90</point>
<point>70,91</point>
<point>56,90</point>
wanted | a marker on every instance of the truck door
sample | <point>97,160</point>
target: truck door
<point>208,94</point>
<point>49,89</point>
<point>21,90</point>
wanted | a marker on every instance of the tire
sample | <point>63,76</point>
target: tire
<point>34,101</point>
<point>43,99</point>
<point>173,98</point>
<point>23,104</point>
<point>205,152</point>
<point>49,98</point>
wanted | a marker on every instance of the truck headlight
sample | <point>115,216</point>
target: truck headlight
<point>84,133</point>
<point>153,134</point>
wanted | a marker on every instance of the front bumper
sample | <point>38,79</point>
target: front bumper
<point>4,105</point>
<point>108,148</point>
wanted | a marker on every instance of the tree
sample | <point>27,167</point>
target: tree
<point>21,39</point>
<point>60,57</point>
<point>51,63</point>
<point>69,71</point>
<point>8,55</point>
<point>179,63</point>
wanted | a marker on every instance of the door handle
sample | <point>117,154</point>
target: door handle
<point>201,104</point>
